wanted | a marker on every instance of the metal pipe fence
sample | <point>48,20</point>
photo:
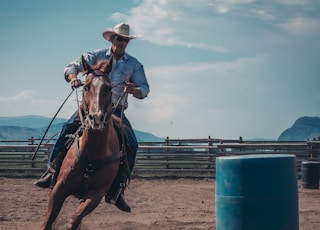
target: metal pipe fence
<point>191,158</point>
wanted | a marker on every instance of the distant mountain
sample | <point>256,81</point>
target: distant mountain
<point>25,133</point>
<point>147,137</point>
<point>304,128</point>
<point>25,127</point>
<point>30,121</point>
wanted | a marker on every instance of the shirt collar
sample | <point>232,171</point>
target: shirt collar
<point>125,55</point>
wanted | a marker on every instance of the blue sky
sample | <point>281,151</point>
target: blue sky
<point>221,68</point>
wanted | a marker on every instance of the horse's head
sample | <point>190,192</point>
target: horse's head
<point>97,105</point>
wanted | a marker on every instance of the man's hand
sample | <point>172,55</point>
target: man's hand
<point>74,81</point>
<point>130,88</point>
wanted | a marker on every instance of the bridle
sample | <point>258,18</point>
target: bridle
<point>99,118</point>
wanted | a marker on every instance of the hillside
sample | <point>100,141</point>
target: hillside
<point>24,133</point>
<point>304,128</point>
<point>25,127</point>
<point>30,121</point>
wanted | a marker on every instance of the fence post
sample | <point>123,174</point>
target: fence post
<point>32,149</point>
<point>32,140</point>
<point>166,151</point>
<point>210,151</point>
<point>221,148</point>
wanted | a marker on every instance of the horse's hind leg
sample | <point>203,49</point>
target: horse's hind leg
<point>86,206</point>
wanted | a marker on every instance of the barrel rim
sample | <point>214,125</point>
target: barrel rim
<point>256,156</point>
<point>310,162</point>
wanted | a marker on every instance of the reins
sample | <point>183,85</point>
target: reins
<point>115,106</point>
<point>45,133</point>
<point>79,109</point>
<point>124,94</point>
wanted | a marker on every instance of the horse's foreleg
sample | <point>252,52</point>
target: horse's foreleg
<point>87,205</point>
<point>56,199</point>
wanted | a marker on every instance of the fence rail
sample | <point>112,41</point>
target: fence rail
<point>171,158</point>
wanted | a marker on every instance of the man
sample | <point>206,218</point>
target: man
<point>127,75</point>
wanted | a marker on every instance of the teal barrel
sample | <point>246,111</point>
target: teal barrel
<point>310,174</point>
<point>257,192</point>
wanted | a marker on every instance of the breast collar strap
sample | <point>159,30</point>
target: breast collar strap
<point>93,166</point>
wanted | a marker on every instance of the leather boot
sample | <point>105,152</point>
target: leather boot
<point>115,195</point>
<point>46,179</point>
<point>120,202</point>
<point>49,178</point>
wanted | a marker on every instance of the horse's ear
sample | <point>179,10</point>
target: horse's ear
<point>109,66</point>
<point>85,66</point>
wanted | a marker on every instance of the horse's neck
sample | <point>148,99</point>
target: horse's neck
<point>95,144</point>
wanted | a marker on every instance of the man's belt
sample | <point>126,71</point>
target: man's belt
<point>118,106</point>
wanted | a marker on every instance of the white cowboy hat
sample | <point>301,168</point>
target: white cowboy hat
<point>120,29</point>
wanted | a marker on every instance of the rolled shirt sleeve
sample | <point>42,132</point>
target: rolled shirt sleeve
<point>139,80</point>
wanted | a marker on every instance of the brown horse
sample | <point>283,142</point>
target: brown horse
<point>92,161</point>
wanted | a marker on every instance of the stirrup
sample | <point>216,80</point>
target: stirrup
<point>46,179</point>
<point>115,197</point>
<point>118,200</point>
<point>112,197</point>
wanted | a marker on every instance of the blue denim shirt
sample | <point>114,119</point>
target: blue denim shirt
<point>127,69</point>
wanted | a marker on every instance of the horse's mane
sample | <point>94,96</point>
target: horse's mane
<point>105,66</point>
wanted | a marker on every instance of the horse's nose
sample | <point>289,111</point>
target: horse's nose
<point>96,117</point>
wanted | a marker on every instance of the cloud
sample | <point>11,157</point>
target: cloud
<point>178,23</point>
<point>198,97</point>
<point>224,6</point>
<point>28,102</point>
<point>22,96</point>
<point>294,2</point>
<point>167,23</point>
<point>301,26</point>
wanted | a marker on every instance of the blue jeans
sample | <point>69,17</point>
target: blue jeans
<point>72,125</point>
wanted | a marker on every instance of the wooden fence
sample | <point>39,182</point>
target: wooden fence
<point>194,158</point>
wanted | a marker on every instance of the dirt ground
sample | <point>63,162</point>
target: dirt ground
<point>156,204</point>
